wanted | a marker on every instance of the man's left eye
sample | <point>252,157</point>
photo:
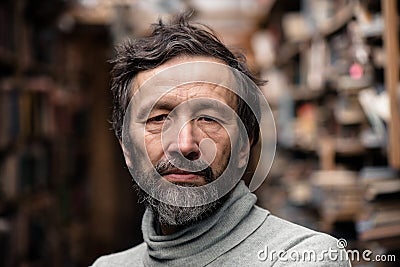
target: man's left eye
<point>159,118</point>
<point>207,119</point>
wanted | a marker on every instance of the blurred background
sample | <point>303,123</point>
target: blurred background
<point>66,196</point>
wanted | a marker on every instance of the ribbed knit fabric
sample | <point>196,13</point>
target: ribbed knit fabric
<point>239,234</point>
<point>203,242</point>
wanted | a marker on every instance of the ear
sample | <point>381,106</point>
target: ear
<point>126,155</point>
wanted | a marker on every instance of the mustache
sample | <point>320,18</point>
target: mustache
<point>164,167</point>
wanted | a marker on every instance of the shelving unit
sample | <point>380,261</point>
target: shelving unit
<point>42,160</point>
<point>339,74</point>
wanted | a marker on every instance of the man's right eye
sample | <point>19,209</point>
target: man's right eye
<point>159,118</point>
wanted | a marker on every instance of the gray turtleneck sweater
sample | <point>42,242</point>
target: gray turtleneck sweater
<point>239,234</point>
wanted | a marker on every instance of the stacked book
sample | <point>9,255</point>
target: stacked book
<point>380,219</point>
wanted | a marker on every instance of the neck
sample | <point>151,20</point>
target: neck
<point>169,229</point>
<point>166,229</point>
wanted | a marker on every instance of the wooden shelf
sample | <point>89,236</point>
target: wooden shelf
<point>390,231</point>
<point>301,93</point>
<point>391,41</point>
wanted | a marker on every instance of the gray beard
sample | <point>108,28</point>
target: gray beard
<point>168,214</point>
<point>174,215</point>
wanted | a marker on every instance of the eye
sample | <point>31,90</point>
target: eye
<point>207,119</point>
<point>208,124</point>
<point>159,118</point>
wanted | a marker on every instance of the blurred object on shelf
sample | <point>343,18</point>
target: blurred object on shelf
<point>317,58</point>
<point>380,219</point>
<point>337,195</point>
<point>234,21</point>
<point>300,193</point>
<point>276,87</point>
<point>318,18</point>
<point>143,13</point>
<point>305,129</point>
<point>126,18</point>
<point>326,153</point>
<point>376,108</point>
<point>349,146</point>
<point>369,24</point>
<point>348,110</point>
<point>92,12</point>
<point>295,27</point>
<point>376,103</point>
<point>263,44</point>
<point>352,82</point>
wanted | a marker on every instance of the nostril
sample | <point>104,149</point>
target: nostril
<point>192,155</point>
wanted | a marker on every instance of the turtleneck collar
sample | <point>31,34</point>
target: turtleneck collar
<point>203,242</point>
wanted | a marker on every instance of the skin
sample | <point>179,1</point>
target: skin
<point>192,134</point>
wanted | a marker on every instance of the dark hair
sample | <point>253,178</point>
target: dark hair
<point>167,41</point>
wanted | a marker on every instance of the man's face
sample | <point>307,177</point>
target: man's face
<point>186,132</point>
<point>190,132</point>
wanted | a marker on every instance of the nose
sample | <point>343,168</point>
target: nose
<point>187,142</point>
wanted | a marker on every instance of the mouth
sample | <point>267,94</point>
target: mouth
<point>177,176</point>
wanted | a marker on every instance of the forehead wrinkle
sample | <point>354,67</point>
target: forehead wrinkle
<point>216,101</point>
<point>206,90</point>
<point>224,76</point>
<point>226,79</point>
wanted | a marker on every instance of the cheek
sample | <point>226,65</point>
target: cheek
<point>223,145</point>
<point>153,147</point>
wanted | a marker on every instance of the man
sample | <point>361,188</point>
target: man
<point>186,112</point>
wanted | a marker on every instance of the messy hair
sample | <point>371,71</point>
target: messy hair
<point>167,41</point>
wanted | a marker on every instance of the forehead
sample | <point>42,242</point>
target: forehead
<point>203,77</point>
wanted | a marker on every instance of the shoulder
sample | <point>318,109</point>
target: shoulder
<point>283,231</point>
<point>297,243</point>
<point>130,257</point>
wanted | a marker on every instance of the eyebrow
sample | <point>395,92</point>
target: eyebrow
<point>215,104</point>
<point>144,110</point>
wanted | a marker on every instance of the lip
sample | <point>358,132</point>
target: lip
<point>181,177</point>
